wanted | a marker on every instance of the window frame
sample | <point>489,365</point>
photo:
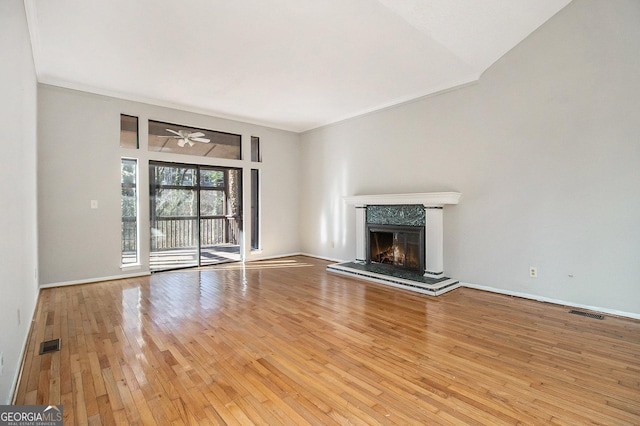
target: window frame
<point>135,186</point>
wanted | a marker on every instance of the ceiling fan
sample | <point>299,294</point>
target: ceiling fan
<point>185,137</point>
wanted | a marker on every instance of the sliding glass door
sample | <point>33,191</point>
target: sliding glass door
<point>196,214</point>
<point>220,214</point>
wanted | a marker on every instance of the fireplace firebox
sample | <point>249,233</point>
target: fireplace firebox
<point>396,245</point>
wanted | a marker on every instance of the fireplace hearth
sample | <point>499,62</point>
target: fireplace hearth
<point>399,241</point>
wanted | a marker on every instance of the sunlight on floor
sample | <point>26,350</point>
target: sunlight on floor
<point>260,264</point>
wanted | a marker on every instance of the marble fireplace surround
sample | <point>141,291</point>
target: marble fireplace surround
<point>433,280</point>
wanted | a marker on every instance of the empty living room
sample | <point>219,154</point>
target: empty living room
<point>297,212</point>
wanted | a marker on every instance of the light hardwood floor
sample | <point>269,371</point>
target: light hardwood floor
<point>285,342</point>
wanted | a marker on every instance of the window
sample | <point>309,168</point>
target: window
<point>129,206</point>
<point>128,131</point>
<point>255,149</point>
<point>255,204</point>
<point>177,139</point>
<point>255,200</point>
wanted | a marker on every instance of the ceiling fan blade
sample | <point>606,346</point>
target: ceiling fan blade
<point>175,133</point>
<point>196,135</point>
<point>190,143</point>
<point>203,140</point>
<point>181,142</point>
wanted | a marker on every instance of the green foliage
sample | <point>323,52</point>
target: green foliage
<point>176,191</point>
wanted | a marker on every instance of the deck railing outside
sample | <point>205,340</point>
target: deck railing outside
<point>179,232</point>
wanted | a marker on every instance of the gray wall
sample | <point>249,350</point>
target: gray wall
<point>545,150</point>
<point>18,241</point>
<point>79,161</point>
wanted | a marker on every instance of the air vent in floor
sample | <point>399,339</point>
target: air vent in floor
<point>49,346</point>
<point>587,314</point>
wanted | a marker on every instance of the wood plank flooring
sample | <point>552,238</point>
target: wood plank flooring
<point>285,342</point>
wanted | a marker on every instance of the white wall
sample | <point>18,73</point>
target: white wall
<point>18,241</point>
<point>79,161</point>
<point>545,150</point>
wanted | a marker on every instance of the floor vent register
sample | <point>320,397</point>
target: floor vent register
<point>49,346</point>
<point>587,314</point>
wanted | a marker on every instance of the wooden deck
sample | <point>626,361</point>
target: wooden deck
<point>188,257</point>
<point>286,342</point>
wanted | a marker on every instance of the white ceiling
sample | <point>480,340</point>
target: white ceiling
<point>288,64</point>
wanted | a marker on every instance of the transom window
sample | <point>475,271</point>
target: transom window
<point>178,139</point>
<point>128,131</point>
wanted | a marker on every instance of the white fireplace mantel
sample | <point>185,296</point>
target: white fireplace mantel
<point>433,203</point>
<point>427,199</point>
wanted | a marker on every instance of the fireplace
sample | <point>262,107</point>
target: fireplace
<point>412,210</point>
<point>396,245</point>
<point>399,241</point>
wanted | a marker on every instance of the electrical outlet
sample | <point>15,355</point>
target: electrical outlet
<point>533,272</point>
<point>94,204</point>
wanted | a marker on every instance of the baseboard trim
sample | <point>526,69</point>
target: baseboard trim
<point>256,257</point>
<point>300,253</point>
<point>13,392</point>
<point>551,300</point>
<point>279,256</point>
<point>329,259</point>
<point>95,280</point>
